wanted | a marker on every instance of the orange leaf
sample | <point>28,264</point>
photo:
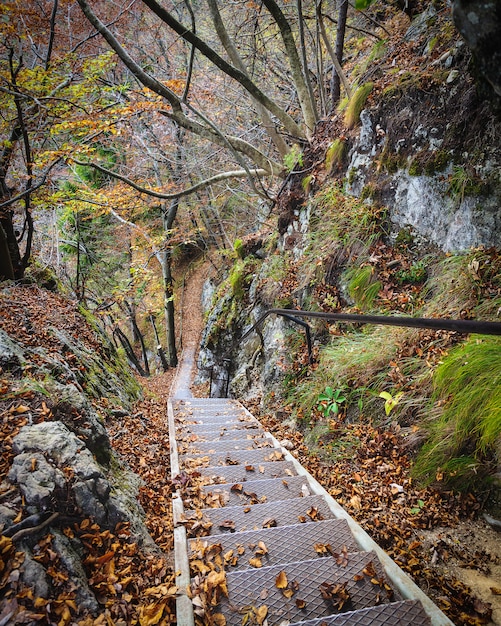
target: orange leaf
<point>105,558</point>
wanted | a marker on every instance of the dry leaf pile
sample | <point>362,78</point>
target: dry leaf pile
<point>371,481</point>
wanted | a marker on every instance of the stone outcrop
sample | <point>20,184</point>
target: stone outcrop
<point>479,22</point>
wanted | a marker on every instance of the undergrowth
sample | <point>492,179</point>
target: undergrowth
<point>465,427</point>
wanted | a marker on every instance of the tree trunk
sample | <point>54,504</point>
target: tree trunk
<point>6,269</point>
<point>341,29</point>
<point>170,321</point>
<point>129,351</point>
<point>160,352</point>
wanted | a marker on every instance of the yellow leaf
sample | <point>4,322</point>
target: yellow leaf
<point>261,614</point>
<point>281,580</point>
<point>255,562</point>
<point>151,614</point>
<point>219,619</point>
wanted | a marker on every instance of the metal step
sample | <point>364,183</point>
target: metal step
<point>260,491</point>
<point>242,473</point>
<point>234,457</point>
<point>405,613</point>
<point>314,588</point>
<point>269,514</point>
<point>283,544</point>
<point>283,547</point>
<point>211,447</point>
<point>222,434</point>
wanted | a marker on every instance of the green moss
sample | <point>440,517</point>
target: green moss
<point>238,247</point>
<point>368,192</point>
<point>335,155</point>
<point>415,167</point>
<point>405,237</point>
<point>437,162</point>
<point>392,161</point>
<point>356,104</point>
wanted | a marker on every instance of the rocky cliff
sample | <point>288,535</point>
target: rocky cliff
<point>68,503</point>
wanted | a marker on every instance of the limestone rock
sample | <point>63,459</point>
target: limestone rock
<point>11,355</point>
<point>51,461</point>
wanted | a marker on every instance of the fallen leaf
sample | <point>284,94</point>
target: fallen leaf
<point>256,562</point>
<point>300,603</point>
<point>281,580</point>
<point>356,502</point>
<point>261,614</point>
<point>269,523</point>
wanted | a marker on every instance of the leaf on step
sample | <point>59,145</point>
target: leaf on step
<point>261,614</point>
<point>281,580</point>
<point>269,523</point>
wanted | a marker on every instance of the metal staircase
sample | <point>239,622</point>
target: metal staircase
<point>290,553</point>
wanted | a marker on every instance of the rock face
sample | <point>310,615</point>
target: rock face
<point>479,22</point>
<point>444,215</point>
<point>46,454</point>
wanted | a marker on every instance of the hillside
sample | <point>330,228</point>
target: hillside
<point>161,169</point>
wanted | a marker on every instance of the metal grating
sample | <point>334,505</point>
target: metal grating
<point>237,426</point>
<point>237,457</point>
<point>406,613</point>
<point>285,544</point>
<point>281,513</point>
<point>242,473</point>
<point>248,588</point>
<point>223,434</point>
<point>212,447</point>
<point>260,491</point>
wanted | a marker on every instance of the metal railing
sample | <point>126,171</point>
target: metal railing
<point>432,323</point>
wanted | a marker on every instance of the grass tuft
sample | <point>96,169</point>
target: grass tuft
<point>463,439</point>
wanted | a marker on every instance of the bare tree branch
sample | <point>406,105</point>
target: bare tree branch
<point>178,194</point>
